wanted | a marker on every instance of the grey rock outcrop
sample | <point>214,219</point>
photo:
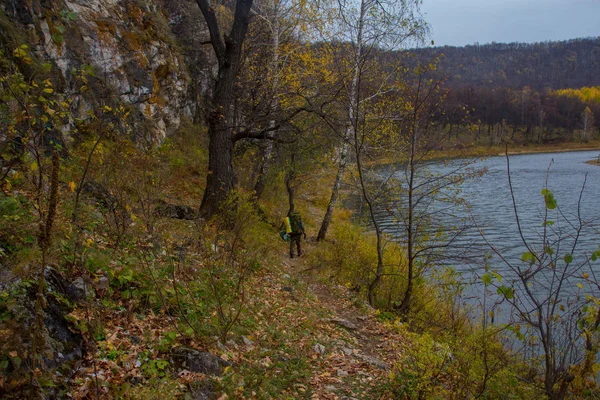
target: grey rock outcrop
<point>146,56</point>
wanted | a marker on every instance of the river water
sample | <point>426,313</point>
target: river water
<point>488,214</point>
<point>492,210</point>
<point>563,173</point>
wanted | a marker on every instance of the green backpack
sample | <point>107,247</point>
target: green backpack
<point>296,223</point>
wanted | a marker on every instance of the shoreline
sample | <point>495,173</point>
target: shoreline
<point>550,150</point>
<point>496,151</point>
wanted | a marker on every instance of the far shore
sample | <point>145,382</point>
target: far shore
<point>492,151</point>
<point>479,151</point>
<point>552,149</point>
<point>549,150</point>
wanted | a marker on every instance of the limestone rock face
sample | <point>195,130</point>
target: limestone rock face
<point>137,51</point>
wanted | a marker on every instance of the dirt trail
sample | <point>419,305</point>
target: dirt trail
<point>355,352</point>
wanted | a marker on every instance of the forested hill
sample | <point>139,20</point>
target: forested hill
<point>554,65</point>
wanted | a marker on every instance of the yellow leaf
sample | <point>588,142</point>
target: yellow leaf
<point>72,186</point>
<point>585,275</point>
<point>49,90</point>
<point>34,166</point>
<point>579,285</point>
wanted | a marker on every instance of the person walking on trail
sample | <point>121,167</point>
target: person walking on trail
<point>294,229</point>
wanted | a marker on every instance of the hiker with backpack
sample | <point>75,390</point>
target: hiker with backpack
<point>294,230</point>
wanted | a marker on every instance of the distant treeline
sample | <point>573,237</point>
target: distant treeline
<point>545,91</point>
<point>548,65</point>
<point>542,116</point>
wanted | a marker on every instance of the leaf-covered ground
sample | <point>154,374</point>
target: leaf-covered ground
<point>299,337</point>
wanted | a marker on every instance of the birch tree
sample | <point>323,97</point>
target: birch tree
<point>587,122</point>
<point>366,26</point>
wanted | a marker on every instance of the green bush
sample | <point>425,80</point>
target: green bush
<point>350,257</point>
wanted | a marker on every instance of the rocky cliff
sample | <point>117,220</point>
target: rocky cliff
<point>148,56</point>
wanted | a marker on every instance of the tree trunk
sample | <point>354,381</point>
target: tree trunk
<point>353,118</point>
<point>541,132</point>
<point>370,203</point>
<point>265,164</point>
<point>334,192</point>
<point>406,302</point>
<point>290,190</point>
<point>220,179</point>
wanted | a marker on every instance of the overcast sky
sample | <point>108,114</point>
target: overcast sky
<point>461,22</point>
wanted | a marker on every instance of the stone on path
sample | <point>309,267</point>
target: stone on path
<point>319,349</point>
<point>247,341</point>
<point>347,351</point>
<point>342,373</point>
<point>373,361</point>
<point>343,322</point>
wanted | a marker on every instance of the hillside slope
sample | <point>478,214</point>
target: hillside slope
<point>554,65</point>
